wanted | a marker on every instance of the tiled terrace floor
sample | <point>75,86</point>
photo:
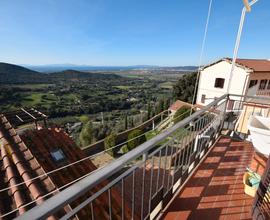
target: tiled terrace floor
<point>216,190</point>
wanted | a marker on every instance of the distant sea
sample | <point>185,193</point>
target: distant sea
<point>60,67</point>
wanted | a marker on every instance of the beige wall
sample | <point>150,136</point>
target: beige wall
<point>220,70</point>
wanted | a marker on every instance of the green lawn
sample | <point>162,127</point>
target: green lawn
<point>43,99</point>
<point>70,97</point>
<point>32,86</point>
<point>123,87</point>
<point>166,85</point>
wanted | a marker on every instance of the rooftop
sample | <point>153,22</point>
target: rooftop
<point>257,65</point>
<point>33,155</point>
<point>179,104</point>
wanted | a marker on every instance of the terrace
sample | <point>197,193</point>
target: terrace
<point>215,190</point>
<point>192,170</point>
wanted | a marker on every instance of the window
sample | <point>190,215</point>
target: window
<point>58,155</point>
<point>252,83</point>
<point>203,99</point>
<point>263,84</point>
<point>219,83</point>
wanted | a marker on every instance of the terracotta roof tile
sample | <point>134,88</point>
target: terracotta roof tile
<point>258,65</point>
<point>28,156</point>
<point>43,142</point>
<point>18,165</point>
<point>179,104</point>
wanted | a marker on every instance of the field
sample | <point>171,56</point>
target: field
<point>166,85</point>
<point>107,103</point>
<point>123,87</point>
<point>38,98</point>
<point>132,92</point>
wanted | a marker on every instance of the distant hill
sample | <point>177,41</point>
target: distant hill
<point>10,73</point>
<point>74,74</point>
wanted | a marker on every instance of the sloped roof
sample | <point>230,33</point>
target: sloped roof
<point>45,141</point>
<point>179,104</point>
<point>28,156</point>
<point>19,165</point>
<point>257,65</point>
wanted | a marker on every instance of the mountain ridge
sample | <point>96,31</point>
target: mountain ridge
<point>11,73</point>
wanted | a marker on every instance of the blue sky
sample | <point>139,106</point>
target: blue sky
<point>128,32</point>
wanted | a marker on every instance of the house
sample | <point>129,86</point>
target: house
<point>178,104</point>
<point>25,161</point>
<point>250,77</point>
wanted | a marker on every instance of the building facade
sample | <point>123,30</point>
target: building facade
<point>250,77</point>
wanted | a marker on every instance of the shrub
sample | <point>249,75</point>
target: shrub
<point>124,149</point>
<point>133,141</point>
<point>109,142</point>
<point>181,114</point>
<point>86,134</point>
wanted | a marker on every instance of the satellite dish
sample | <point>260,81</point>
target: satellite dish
<point>246,3</point>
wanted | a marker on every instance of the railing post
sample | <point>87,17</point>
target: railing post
<point>145,156</point>
<point>224,112</point>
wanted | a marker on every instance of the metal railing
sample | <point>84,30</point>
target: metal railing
<point>240,109</point>
<point>261,203</point>
<point>146,178</point>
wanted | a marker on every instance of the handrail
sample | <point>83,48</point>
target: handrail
<point>68,195</point>
<point>250,97</point>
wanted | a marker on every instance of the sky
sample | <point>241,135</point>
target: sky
<point>128,32</point>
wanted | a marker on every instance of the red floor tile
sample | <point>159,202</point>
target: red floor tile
<point>216,190</point>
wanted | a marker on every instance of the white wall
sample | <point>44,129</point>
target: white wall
<point>220,70</point>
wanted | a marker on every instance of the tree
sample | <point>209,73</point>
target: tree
<point>160,106</point>
<point>149,110</point>
<point>181,114</point>
<point>131,121</point>
<point>167,103</point>
<point>133,141</point>
<point>84,119</point>
<point>109,142</point>
<point>86,134</point>
<point>126,122</point>
<point>184,88</point>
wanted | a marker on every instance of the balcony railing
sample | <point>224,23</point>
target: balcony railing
<point>263,92</point>
<point>147,177</point>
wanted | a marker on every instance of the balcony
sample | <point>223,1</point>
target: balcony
<point>215,190</point>
<point>194,168</point>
